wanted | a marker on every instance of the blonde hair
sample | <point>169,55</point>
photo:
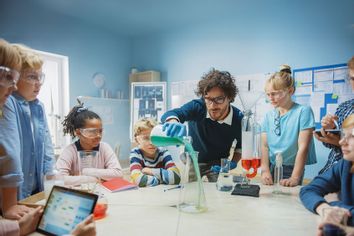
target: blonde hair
<point>30,59</point>
<point>282,79</point>
<point>348,122</point>
<point>144,124</point>
<point>9,56</point>
<point>351,63</point>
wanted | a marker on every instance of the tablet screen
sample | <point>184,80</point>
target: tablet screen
<point>65,208</point>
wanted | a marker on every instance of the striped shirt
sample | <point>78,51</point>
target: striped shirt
<point>343,111</point>
<point>163,168</point>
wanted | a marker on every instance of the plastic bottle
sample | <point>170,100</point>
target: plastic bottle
<point>278,172</point>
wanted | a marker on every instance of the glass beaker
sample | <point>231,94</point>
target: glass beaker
<point>87,159</point>
<point>224,182</point>
<point>192,196</point>
<point>101,207</point>
<point>159,138</point>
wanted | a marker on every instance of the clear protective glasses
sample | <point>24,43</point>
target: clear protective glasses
<point>346,134</point>
<point>91,132</point>
<point>8,77</point>
<point>276,94</point>
<point>143,138</point>
<point>33,77</point>
<point>218,100</point>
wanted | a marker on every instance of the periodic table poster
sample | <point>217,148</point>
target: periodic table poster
<point>148,100</point>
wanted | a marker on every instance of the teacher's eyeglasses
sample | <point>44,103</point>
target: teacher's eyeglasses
<point>218,100</point>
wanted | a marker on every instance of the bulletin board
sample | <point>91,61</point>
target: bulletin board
<point>322,88</point>
<point>148,100</point>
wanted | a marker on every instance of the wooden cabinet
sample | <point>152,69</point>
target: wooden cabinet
<point>145,76</point>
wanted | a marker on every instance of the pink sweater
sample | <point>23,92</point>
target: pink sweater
<point>9,228</point>
<point>106,165</point>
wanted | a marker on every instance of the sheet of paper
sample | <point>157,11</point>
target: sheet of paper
<point>340,73</point>
<point>323,75</point>
<point>303,76</point>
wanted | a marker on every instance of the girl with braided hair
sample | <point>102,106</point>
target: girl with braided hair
<point>85,127</point>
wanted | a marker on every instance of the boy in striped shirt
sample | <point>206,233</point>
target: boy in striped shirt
<point>150,165</point>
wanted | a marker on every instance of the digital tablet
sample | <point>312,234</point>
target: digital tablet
<point>332,131</point>
<point>65,208</point>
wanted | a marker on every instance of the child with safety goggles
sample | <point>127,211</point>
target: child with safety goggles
<point>86,127</point>
<point>150,165</point>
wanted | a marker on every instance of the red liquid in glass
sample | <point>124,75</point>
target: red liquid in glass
<point>247,164</point>
<point>100,211</point>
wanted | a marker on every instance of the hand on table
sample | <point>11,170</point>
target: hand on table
<point>291,182</point>
<point>16,212</point>
<point>267,178</point>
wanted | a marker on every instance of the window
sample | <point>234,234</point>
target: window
<point>55,95</point>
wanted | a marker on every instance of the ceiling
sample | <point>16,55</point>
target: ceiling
<point>137,17</point>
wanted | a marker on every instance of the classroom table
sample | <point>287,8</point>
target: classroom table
<point>151,211</point>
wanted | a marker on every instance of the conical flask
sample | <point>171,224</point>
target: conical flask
<point>192,196</point>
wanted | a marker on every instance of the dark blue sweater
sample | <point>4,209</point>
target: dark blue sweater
<point>211,139</point>
<point>336,179</point>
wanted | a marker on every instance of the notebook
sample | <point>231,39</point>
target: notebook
<point>65,208</point>
<point>118,184</point>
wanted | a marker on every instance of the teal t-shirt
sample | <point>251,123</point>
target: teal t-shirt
<point>298,118</point>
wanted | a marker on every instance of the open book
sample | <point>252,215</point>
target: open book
<point>118,184</point>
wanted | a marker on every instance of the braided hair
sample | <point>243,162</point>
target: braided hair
<point>76,118</point>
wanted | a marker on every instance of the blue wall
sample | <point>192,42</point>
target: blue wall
<point>243,39</point>
<point>90,49</point>
<point>254,41</point>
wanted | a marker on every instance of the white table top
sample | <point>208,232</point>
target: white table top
<point>151,211</point>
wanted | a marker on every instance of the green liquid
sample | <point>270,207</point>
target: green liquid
<point>166,141</point>
<point>173,141</point>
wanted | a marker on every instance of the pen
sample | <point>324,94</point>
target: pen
<point>176,187</point>
<point>232,149</point>
<point>334,121</point>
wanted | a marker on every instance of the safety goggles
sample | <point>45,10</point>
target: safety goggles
<point>346,134</point>
<point>91,132</point>
<point>276,94</point>
<point>8,77</point>
<point>144,138</point>
<point>33,77</point>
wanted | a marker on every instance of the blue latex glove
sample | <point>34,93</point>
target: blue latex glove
<point>216,168</point>
<point>174,129</point>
